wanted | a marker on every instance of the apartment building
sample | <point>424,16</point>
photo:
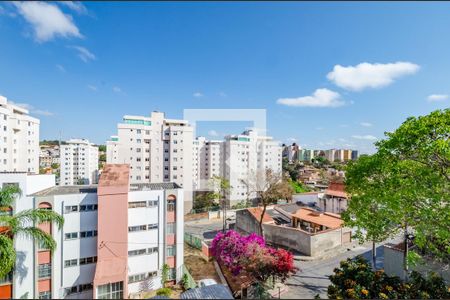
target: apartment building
<point>78,162</point>
<point>208,160</point>
<point>246,156</point>
<point>157,149</point>
<point>116,237</point>
<point>19,139</point>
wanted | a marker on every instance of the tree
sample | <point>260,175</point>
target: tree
<point>21,224</point>
<point>205,201</point>
<point>102,148</point>
<point>164,275</point>
<point>251,254</point>
<point>366,211</point>
<point>424,141</point>
<point>406,183</point>
<point>55,166</point>
<point>355,280</point>
<point>268,187</point>
<point>221,188</point>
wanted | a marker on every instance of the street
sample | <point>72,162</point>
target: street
<point>312,278</point>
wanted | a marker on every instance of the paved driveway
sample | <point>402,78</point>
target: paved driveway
<point>207,229</point>
<point>312,279</point>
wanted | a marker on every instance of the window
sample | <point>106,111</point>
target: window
<point>137,252</point>
<point>71,290</point>
<point>85,287</point>
<point>71,236</point>
<point>137,228</point>
<point>44,270</point>
<point>153,203</point>
<point>88,260</point>
<point>152,226</point>
<point>70,263</point>
<point>45,295</point>
<point>171,228</point>
<point>171,250</point>
<point>173,274</point>
<point>110,290</point>
<point>69,209</point>
<point>170,205</point>
<point>141,277</point>
<point>87,234</point>
<point>89,207</point>
<point>137,204</point>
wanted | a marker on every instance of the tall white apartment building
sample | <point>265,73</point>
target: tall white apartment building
<point>78,162</point>
<point>239,159</point>
<point>115,240</point>
<point>157,150</point>
<point>247,155</point>
<point>208,160</point>
<point>19,139</point>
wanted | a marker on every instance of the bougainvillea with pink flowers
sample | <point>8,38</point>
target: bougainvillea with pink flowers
<point>250,253</point>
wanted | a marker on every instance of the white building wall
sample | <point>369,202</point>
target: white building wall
<point>79,162</point>
<point>19,139</point>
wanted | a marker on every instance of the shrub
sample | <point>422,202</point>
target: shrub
<point>164,292</point>
<point>356,280</point>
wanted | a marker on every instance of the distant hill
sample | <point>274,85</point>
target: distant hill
<point>51,142</point>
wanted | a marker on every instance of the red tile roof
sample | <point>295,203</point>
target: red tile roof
<point>325,219</point>
<point>336,189</point>
<point>256,213</point>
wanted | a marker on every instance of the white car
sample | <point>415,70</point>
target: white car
<point>206,282</point>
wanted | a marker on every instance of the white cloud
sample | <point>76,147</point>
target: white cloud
<point>92,87</point>
<point>47,20</point>
<point>76,6</point>
<point>117,89</point>
<point>197,94</point>
<point>213,133</point>
<point>364,137</point>
<point>42,112</point>
<point>61,68</point>
<point>320,98</point>
<point>367,75</point>
<point>293,140</point>
<point>33,110</point>
<point>365,124</point>
<point>83,53</point>
<point>437,97</point>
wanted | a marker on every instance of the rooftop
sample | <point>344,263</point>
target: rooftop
<point>325,219</point>
<point>114,175</point>
<point>66,190</point>
<point>215,291</point>
<point>154,186</point>
<point>256,213</point>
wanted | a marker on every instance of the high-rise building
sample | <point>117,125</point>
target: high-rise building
<point>157,150</point>
<point>78,163</point>
<point>116,238</point>
<point>19,139</point>
<point>237,159</point>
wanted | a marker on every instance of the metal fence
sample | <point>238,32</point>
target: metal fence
<point>193,240</point>
<point>190,280</point>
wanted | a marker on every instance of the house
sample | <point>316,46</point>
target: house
<point>335,199</point>
<point>296,227</point>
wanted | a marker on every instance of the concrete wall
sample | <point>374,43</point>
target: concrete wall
<point>393,264</point>
<point>246,223</point>
<point>292,238</point>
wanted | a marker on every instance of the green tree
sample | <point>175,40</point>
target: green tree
<point>406,183</point>
<point>268,187</point>
<point>366,211</point>
<point>205,201</point>
<point>221,188</point>
<point>55,166</point>
<point>164,275</point>
<point>102,148</point>
<point>21,224</point>
<point>102,158</point>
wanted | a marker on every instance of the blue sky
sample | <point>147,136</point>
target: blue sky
<point>329,74</point>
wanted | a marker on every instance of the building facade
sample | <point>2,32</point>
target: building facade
<point>116,238</point>
<point>157,149</point>
<point>78,162</point>
<point>19,139</point>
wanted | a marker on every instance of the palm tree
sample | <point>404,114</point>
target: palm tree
<point>22,224</point>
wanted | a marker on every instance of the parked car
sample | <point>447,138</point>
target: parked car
<point>206,282</point>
